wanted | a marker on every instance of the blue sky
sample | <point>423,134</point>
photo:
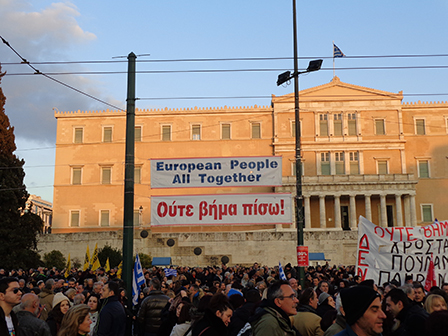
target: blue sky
<point>99,30</point>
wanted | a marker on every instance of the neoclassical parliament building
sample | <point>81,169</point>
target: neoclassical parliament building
<point>365,152</point>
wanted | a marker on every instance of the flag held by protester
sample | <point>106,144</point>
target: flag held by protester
<point>68,267</point>
<point>120,270</point>
<point>86,260</point>
<point>95,261</point>
<point>107,266</point>
<point>170,271</point>
<point>138,280</point>
<point>431,276</point>
<point>281,271</point>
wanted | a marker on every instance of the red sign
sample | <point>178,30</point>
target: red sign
<point>302,256</point>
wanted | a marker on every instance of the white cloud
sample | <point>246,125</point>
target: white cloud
<point>42,35</point>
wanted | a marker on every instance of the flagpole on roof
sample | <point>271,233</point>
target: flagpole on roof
<point>333,62</point>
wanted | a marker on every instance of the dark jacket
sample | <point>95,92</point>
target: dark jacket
<point>337,326</point>
<point>112,318</point>
<point>151,309</point>
<point>30,325</point>
<point>4,327</point>
<point>210,325</point>
<point>412,321</point>
<point>240,317</point>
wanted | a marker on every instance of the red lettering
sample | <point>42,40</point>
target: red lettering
<point>427,231</point>
<point>390,232</point>
<point>401,232</point>
<point>410,234</point>
<point>364,242</point>
<point>436,229</point>
<point>382,231</point>
<point>361,258</point>
<point>362,274</point>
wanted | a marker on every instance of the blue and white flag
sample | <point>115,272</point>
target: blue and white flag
<point>138,280</point>
<point>170,271</point>
<point>337,52</point>
<point>281,271</point>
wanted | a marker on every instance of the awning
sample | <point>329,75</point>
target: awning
<point>317,256</point>
<point>161,261</point>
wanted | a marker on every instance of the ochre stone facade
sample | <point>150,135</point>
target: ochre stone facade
<point>364,153</point>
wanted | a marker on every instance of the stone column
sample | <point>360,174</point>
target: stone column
<point>337,211</point>
<point>322,211</point>
<point>383,211</point>
<point>352,211</point>
<point>399,210</point>
<point>307,212</point>
<point>368,207</point>
<point>413,211</point>
<point>407,210</point>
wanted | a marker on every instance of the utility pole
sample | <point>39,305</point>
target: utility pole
<point>128,217</point>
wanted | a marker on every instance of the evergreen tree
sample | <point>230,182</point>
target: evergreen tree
<point>18,241</point>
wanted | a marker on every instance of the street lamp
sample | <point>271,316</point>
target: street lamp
<point>282,78</point>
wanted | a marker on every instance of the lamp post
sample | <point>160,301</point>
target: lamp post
<point>282,78</point>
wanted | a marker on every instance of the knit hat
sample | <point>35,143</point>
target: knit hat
<point>355,301</point>
<point>322,297</point>
<point>58,298</point>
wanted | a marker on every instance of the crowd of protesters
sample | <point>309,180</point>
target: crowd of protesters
<point>223,301</point>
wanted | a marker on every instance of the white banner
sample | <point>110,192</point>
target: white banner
<point>221,209</point>
<point>216,172</point>
<point>387,253</point>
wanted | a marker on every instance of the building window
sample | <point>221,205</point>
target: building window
<point>339,163</point>
<point>427,215</point>
<point>323,124</point>
<point>137,175</point>
<point>293,129</point>
<point>76,175</point>
<point>382,167</point>
<point>352,124</point>
<point>420,127</point>
<point>107,134</point>
<point>256,131</point>
<point>74,218</point>
<point>293,167</point>
<point>138,134</point>
<point>225,131</point>
<point>104,218</point>
<point>166,133</point>
<point>423,168</point>
<point>325,163</point>
<point>379,127</point>
<point>196,132</point>
<point>354,163</point>
<point>106,175</point>
<point>136,217</point>
<point>337,124</point>
<point>78,136</point>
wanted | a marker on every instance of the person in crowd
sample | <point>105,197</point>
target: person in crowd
<point>420,295</point>
<point>295,286</point>
<point>437,324</point>
<point>183,325</point>
<point>340,322</point>
<point>79,299</point>
<point>76,322</point>
<point>216,318</point>
<point>112,317</point>
<point>29,323</point>
<point>435,302</point>
<point>94,304</point>
<point>10,296</point>
<point>150,311</point>
<point>411,319</point>
<point>61,305</point>
<point>46,297</point>
<point>272,317</point>
<point>307,322</point>
<point>325,303</point>
<point>242,314</point>
<point>410,291</point>
<point>363,313</point>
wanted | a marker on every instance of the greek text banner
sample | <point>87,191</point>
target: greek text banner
<point>221,209</point>
<point>388,253</point>
<point>216,172</point>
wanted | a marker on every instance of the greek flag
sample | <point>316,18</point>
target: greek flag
<point>337,52</point>
<point>281,271</point>
<point>138,280</point>
<point>169,272</point>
